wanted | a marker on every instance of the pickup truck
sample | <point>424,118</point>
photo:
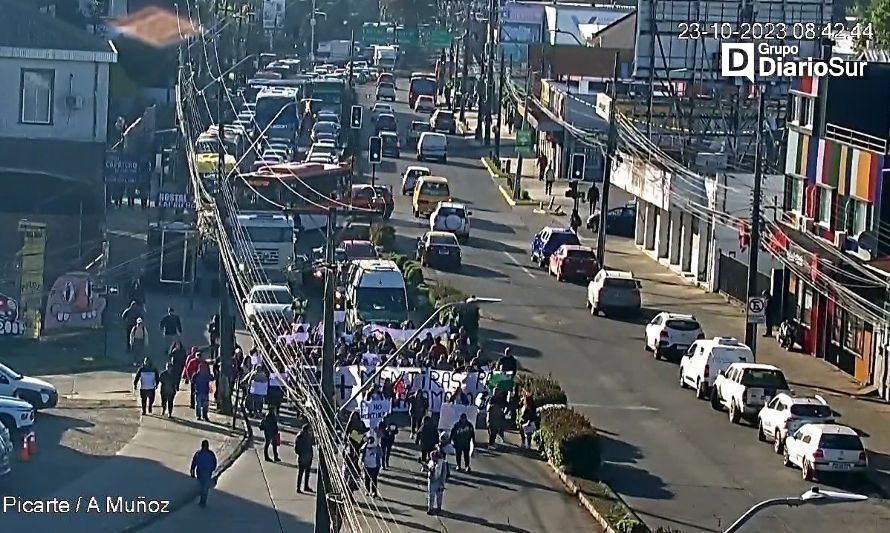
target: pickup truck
<point>744,388</point>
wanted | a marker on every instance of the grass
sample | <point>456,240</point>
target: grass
<point>610,506</point>
<point>503,181</point>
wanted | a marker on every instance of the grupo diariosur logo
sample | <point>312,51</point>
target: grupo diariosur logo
<point>762,60</point>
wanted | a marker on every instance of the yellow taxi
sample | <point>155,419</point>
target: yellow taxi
<point>428,192</point>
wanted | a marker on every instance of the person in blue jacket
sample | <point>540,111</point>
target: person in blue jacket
<point>203,466</point>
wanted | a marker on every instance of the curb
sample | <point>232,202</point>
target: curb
<point>508,196</point>
<point>192,494</point>
<point>585,502</point>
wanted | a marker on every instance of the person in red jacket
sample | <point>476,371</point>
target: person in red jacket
<point>192,364</point>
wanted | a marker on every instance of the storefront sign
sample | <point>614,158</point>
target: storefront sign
<point>174,200</point>
<point>120,168</point>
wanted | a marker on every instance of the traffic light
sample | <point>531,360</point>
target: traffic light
<point>578,163</point>
<point>375,150</point>
<point>356,117</point>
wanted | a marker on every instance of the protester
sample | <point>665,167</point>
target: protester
<point>138,340</point>
<point>275,394</point>
<point>303,447</point>
<point>192,365</point>
<point>171,326</point>
<point>496,421</point>
<point>549,178</point>
<point>203,466</point>
<point>147,381</point>
<point>169,379</point>
<point>258,383</point>
<point>507,363</point>
<point>177,357</point>
<point>371,459</point>
<point>463,437</point>
<point>418,404</point>
<point>593,198</point>
<point>201,385</point>
<point>529,421</point>
<point>437,476</point>
<point>130,315</point>
<point>136,293</point>
<point>269,426</point>
<point>386,435</point>
<point>213,330</point>
<point>427,438</point>
<point>459,397</point>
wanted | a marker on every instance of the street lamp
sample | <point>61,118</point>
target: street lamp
<point>415,335</point>
<point>813,496</point>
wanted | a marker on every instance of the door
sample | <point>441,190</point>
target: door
<point>651,329</point>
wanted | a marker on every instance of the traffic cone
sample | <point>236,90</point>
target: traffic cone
<point>32,443</point>
<point>24,452</point>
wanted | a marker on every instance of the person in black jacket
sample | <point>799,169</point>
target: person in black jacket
<point>418,403</point>
<point>386,434</point>
<point>303,447</point>
<point>463,437</point>
<point>427,438</point>
<point>269,425</point>
<point>169,379</point>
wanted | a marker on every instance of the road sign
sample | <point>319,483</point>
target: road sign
<point>437,39</point>
<point>757,310</point>
<point>524,141</point>
<point>603,106</point>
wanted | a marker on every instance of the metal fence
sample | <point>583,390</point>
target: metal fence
<point>732,279</point>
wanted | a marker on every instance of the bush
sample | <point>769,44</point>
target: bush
<point>569,441</point>
<point>543,390</point>
<point>384,236</point>
<point>440,294</point>
<point>414,276</point>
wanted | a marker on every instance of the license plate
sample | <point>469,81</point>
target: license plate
<point>682,347</point>
<point>444,252</point>
<point>841,466</point>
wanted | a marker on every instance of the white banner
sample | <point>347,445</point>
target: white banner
<point>370,359</point>
<point>400,336</point>
<point>273,13</point>
<point>374,411</point>
<point>449,414</point>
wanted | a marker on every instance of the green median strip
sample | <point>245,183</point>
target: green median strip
<point>504,182</point>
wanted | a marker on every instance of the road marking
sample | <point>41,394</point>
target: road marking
<point>615,407</point>
<point>517,263</point>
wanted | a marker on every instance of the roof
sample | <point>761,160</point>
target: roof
<point>377,264</point>
<point>619,274</point>
<point>554,229</point>
<point>440,234</point>
<point>577,247</point>
<point>756,366</point>
<point>802,400</point>
<point>388,134</point>
<point>355,242</point>
<point>834,429</point>
<point>678,316</point>
<point>26,27</point>
<point>454,205</point>
<point>417,167</point>
<point>434,179</point>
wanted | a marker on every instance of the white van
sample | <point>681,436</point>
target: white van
<point>706,358</point>
<point>375,294</point>
<point>432,146</point>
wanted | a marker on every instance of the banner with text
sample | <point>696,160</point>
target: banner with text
<point>372,412</point>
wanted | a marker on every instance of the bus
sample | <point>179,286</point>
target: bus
<point>331,93</point>
<point>256,85</point>
<point>422,84</point>
<point>278,113</point>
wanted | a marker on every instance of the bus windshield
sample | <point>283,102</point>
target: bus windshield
<point>419,86</point>
<point>269,106</point>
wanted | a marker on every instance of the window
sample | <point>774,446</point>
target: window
<point>823,211</point>
<point>794,194</point>
<point>857,217</point>
<point>37,96</point>
<point>795,108</point>
<point>854,334</point>
<point>805,304</point>
<point>805,112</point>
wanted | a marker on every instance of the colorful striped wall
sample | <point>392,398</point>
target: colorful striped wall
<point>853,172</point>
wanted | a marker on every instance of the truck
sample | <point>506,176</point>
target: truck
<point>336,52</point>
<point>385,57</point>
<point>271,237</point>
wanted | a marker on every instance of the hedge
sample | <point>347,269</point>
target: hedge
<point>384,236</point>
<point>543,390</point>
<point>569,441</point>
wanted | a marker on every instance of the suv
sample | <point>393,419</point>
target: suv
<point>15,414</point>
<point>272,301</point>
<point>744,388</point>
<point>573,261</point>
<point>705,359</point>
<point>453,218</point>
<point>613,291</point>
<point>425,104</point>
<point>432,146</point>
<point>826,448</point>
<point>37,392</point>
<point>390,145</point>
<point>547,241</point>
<point>385,122</point>
<point>786,413</point>
<point>669,335</point>
<point>442,121</point>
<point>386,91</point>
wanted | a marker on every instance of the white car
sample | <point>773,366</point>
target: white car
<point>381,109</point>
<point>669,335</point>
<point>613,292</point>
<point>453,218</point>
<point>425,104</point>
<point>37,392</point>
<point>825,448</point>
<point>432,146</point>
<point>706,358</point>
<point>745,388</point>
<point>324,147</point>
<point>786,413</point>
<point>272,301</point>
<point>410,177</point>
<point>15,414</point>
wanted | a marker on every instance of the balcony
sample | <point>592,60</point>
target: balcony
<point>855,138</point>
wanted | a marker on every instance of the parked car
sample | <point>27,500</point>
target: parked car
<point>452,217</point>
<point>443,121</point>
<point>391,147</point>
<point>613,292</point>
<point>620,221</point>
<point>669,335</point>
<point>439,249</point>
<point>547,241</point>
<point>787,413</point>
<point>386,91</point>
<point>16,414</point>
<point>37,392</point>
<point>706,358</point>
<point>410,177</point>
<point>744,388</point>
<point>572,261</point>
<point>825,448</point>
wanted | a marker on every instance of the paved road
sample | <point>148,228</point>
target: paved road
<point>674,460</point>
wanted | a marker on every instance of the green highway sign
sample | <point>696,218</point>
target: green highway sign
<point>437,39</point>
<point>524,141</point>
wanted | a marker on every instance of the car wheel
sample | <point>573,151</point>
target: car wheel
<point>715,400</point>
<point>761,436</point>
<point>778,442</point>
<point>700,392</point>
<point>9,422</point>
<point>543,263</point>
<point>656,353</point>
<point>559,276</point>
<point>646,346</point>
<point>734,415</point>
<point>31,397</point>
<point>587,302</point>
<point>806,471</point>
<point>682,381</point>
<point>786,459</point>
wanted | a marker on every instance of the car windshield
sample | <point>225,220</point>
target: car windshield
<point>390,141</point>
<point>325,127</point>
<point>620,283</point>
<point>328,117</point>
<point>322,149</point>
<point>558,239</point>
<point>10,372</point>
<point>375,303</point>
<point>425,100</point>
<point>444,118</point>
<point>841,442</point>
<point>765,379</point>
<point>434,189</point>
<point>416,173</point>
<point>580,254</point>
<point>682,325</point>
<point>259,234</point>
<point>386,122</point>
<point>386,87</point>
<point>448,211</point>
<point>361,251</point>
<point>420,126</point>
<point>275,296</point>
<point>383,108</point>
<point>443,240</point>
<point>811,410</point>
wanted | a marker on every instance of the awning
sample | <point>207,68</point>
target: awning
<point>540,120</point>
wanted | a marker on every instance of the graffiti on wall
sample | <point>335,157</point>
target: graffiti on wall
<point>72,303</point>
<point>10,325</point>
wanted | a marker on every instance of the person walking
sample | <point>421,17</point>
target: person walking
<point>177,356</point>
<point>549,178</point>
<point>269,426</point>
<point>386,434</point>
<point>593,198</point>
<point>418,404</point>
<point>192,365</point>
<point>138,340</point>
<point>528,421</point>
<point>203,466</point>
<point>507,363</point>
<point>542,166</point>
<point>496,420</point>
<point>171,326</point>
<point>201,385</point>
<point>303,447</point>
<point>463,437</point>
<point>427,438</point>
<point>213,330</point>
<point>437,477</point>
<point>258,381</point>
<point>169,380</point>
<point>146,381</point>
<point>133,312</point>
<point>136,292</point>
<point>371,459</point>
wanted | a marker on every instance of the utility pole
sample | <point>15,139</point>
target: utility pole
<point>500,103</point>
<point>611,149</point>
<point>226,320</point>
<point>518,177</point>
<point>754,246</point>
<point>489,72</point>
<point>312,35</point>
<point>649,98</point>
<point>324,485</point>
<point>463,73</point>
<point>351,51</point>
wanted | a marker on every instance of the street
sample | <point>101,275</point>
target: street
<point>674,460</point>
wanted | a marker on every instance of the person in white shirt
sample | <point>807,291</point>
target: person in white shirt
<point>437,475</point>
<point>146,381</point>
<point>371,458</point>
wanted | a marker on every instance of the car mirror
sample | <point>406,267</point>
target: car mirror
<point>469,213</point>
<point>4,380</point>
<point>722,373</point>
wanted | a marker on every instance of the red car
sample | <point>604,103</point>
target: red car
<point>356,250</point>
<point>572,261</point>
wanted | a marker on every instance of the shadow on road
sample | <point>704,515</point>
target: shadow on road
<point>489,245</point>
<point>479,272</point>
<point>624,478</point>
<point>481,224</point>
<point>496,341</point>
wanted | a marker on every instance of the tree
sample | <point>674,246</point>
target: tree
<point>410,13</point>
<point>878,15</point>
